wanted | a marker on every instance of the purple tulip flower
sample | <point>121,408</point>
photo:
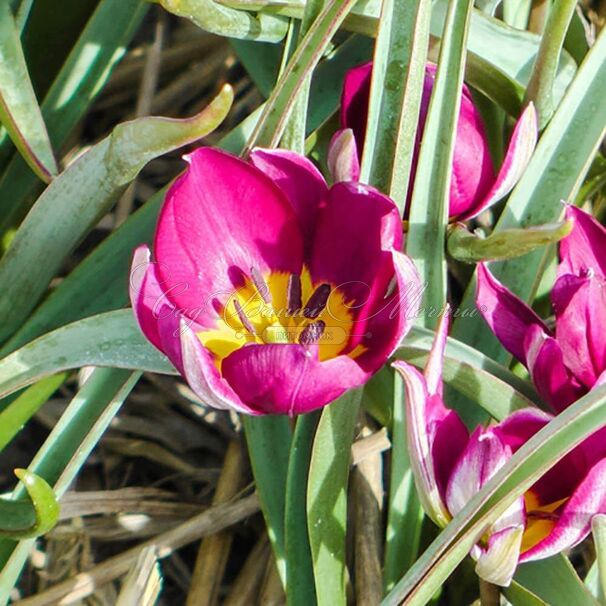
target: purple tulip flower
<point>450,466</point>
<point>270,292</point>
<point>474,187</point>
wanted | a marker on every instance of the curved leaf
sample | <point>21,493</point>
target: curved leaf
<point>27,519</point>
<point>110,339</point>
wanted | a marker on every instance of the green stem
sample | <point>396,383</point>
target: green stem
<point>540,86</point>
<point>300,588</point>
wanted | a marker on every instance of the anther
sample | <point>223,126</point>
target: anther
<point>245,321</point>
<point>312,332</point>
<point>260,285</point>
<point>293,294</point>
<point>317,302</point>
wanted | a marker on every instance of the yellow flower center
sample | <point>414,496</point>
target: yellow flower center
<point>540,520</point>
<point>283,308</point>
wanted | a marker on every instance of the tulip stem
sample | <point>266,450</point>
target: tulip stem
<point>490,595</point>
<point>540,87</point>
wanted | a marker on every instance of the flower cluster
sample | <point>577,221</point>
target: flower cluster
<point>274,293</point>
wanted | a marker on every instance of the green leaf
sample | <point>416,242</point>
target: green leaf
<point>25,519</point>
<point>469,247</point>
<point>23,408</point>
<point>544,72</point>
<point>88,66</point>
<point>518,595</point>
<point>555,581</point>
<point>65,451</point>
<point>110,339</point>
<point>555,172</point>
<point>268,439</point>
<point>327,497</point>
<point>395,97</point>
<point>404,513</point>
<point>425,242</point>
<point>270,127</point>
<point>225,21</point>
<point>526,466</point>
<point>81,195</point>
<point>300,587</point>
<point>19,110</point>
<point>598,528</point>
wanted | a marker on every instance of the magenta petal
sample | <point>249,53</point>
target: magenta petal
<point>423,420</point>
<point>508,316</point>
<point>220,218</point>
<point>584,248</point>
<point>435,362</point>
<point>574,522</point>
<point>289,379</point>
<point>554,382</point>
<point>521,147</point>
<point>580,307</point>
<point>381,326</point>
<point>156,316</point>
<point>342,160</point>
<point>483,456</point>
<point>354,101</point>
<point>203,377</point>
<point>519,427</point>
<point>301,182</point>
<point>357,231</point>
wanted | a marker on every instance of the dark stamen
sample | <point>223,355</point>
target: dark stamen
<point>317,302</point>
<point>260,285</point>
<point>311,333</point>
<point>245,321</point>
<point>293,295</point>
<point>543,515</point>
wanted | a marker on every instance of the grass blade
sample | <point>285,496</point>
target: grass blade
<point>19,110</point>
<point>429,205</point>
<point>110,339</point>
<point>327,497</point>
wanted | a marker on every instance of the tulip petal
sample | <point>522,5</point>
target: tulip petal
<point>422,421</point>
<point>380,327</point>
<point>289,378</point>
<point>497,563</point>
<point>584,248</point>
<point>520,150</point>
<point>574,522</point>
<point>361,266</point>
<point>580,308</point>
<point>220,218</point>
<point>157,318</point>
<point>354,101</point>
<point>507,315</point>
<point>519,427</point>
<point>483,456</point>
<point>545,361</point>
<point>203,377</point>
<point>435,362</point>
<point>301,182</point>
<point>343,162</point>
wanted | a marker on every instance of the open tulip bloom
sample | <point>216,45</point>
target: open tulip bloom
<point>270,292</point>
<point>474,187</point>
<point>450,466</point>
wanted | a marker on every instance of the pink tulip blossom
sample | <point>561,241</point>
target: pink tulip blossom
<point>564,363</point>
<point>450,466</point>
<point>474,187</point>
<point>270,292</point>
